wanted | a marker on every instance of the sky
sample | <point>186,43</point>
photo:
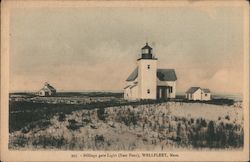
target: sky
<point>95,49</point>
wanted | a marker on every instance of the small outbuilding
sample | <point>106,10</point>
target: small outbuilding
<point>47,90</point>
<point>198,93</point>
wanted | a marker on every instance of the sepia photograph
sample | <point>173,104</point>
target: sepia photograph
<point>124,81</point>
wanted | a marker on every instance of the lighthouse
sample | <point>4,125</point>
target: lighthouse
<point>147,69</point>
<point>149,82</point>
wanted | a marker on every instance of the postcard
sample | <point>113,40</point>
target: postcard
<point>124,80</point>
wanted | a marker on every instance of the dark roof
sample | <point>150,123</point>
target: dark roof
<point>162,75</point>
<point>192,89</point>
<point>133,75</point>
<point>48,87</point>
<point>127,86</point>
<point>133,86</point>
<point>166,75</point>
<point>205,90</point>
<point>146,46</point>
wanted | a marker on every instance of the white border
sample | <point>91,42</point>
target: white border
<point>7,155</point>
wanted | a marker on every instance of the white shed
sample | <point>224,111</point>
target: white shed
<point>197,93</point>
<point>47,90</point>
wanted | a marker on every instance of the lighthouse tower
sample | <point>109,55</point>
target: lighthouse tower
<point>147,69</point>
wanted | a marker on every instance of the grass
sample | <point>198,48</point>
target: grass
<point>72,94</point>
<point>25,114</point>
<point>218,101</point>
<point>86,130</point>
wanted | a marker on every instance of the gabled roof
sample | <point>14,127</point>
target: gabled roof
<point>48,87</point>
<point>205,90</point>
<point>162,75</point>
<point>146,47</point>
<point>133,86</point>
<point>166,75</point>
<point>192,89</point>
<point>126,87</point>
<point>133,75</point>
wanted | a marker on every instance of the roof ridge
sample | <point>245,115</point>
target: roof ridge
<point>161,74</point>
<point>165,69</point>
<point>133,75</point>
<point>194,89</point>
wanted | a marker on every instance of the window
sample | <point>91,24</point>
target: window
<point>148,66</point>
<point>145,51</point>
<point>205,94</point>
<point>148,91</point>
<point>170,89</point>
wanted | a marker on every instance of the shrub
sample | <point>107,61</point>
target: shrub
<point>192,120</point>
<point>100,113</point>
<point>211,133</point>
<point>87,121</point>
<point>25,130</point>
<point>203,123</point>
<point>61,117</point>
<point>198,121</point>
<point>179,129</point>
<point>20,141</point>
<point>73,125</point>
<point>99,138</point>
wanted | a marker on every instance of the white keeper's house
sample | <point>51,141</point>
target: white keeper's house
<point>149,82</point>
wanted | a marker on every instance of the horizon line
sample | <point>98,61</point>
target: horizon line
<point>115,91</point>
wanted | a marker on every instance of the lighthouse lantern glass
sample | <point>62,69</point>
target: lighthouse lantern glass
<point>145,51</point>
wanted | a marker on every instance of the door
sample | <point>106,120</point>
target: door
<point>162,92</point>
<point>46,93</point>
